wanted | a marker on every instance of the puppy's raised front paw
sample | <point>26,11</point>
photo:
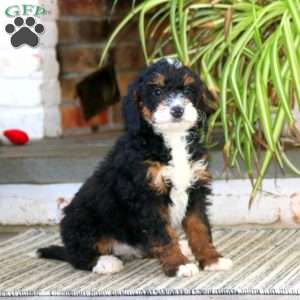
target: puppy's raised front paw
<point>187,270</point>
<point>222,264</point>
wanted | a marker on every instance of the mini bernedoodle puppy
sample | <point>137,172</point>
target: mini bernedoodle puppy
<point>153,182</point>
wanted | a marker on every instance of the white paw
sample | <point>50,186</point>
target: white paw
<point>108,264</point>
<point>187,270</point>
<point>222,264</point>
<point>186,250</point>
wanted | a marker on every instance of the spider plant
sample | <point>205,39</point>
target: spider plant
<point>248,53</point>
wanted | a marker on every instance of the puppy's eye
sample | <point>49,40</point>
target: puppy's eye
<point>188,91</point>
<point>157,92</point>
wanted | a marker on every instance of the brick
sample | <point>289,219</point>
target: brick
<point>124,79</point>
<point>129,33</point>
<point>82,8</point>
<point>72,117</point>
<point>83,31</point>
<point>66,31</point>
<point>92,31</point>
<point>128,57</point>
<point>78,59</point>
<point>122,7</point>
<point>30,120</point>
<point>103,118</point>
<point>99,119</point>
<point>68,87</point>
<point>117,117</point>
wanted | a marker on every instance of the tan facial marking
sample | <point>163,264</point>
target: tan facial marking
<point>158,79</point>
<point>187,80</point>
<point>155,177</point>
<point>146,112</point>
<point>201,246</point>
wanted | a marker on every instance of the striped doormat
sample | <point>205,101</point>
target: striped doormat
<point>266,261</point>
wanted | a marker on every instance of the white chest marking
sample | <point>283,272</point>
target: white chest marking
<point>180,173</point>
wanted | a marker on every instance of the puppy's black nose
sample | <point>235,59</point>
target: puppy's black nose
<point>177,112</point>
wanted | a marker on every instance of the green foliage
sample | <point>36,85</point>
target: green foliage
<point>248,53</point>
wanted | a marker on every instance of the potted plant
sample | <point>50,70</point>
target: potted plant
<point>248,53</point>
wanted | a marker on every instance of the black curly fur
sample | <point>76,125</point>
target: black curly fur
<point>116,201</point>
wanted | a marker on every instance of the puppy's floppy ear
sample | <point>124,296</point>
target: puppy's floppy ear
<point>131,114</point>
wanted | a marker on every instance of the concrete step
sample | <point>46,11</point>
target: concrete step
<point>73,159</point>
<point>45,175</point>
<point>66,159</point>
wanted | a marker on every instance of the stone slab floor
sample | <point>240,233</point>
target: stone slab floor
<point>9,232</point>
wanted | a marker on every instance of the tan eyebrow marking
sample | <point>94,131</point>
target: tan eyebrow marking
<point>188,79</point>
<point>158,79</point>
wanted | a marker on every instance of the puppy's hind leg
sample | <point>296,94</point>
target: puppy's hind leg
<point>87,257</point>
<point>91,260</point>
<point>108,264</point>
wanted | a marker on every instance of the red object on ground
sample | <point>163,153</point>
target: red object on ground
<point>16,136</point>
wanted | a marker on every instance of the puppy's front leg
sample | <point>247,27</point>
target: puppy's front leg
<point>173,262</point>
<point>204,251</point>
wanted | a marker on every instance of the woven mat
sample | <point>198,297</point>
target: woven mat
<point>266,261</point>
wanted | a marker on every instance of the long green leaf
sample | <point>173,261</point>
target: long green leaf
<point>184,40</point>
<point>278,82</point>
<point>238,97</point>
<point>294,7</point>
<point>174,30</point>
<point>263,105</point>
<point>292,57</point>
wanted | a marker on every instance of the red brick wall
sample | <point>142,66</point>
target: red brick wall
<point>84,27</point>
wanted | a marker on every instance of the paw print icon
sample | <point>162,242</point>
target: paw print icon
<point>24,32</point>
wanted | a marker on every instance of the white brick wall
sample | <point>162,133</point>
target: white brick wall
<point>29,119</point>
<point>30,92</point>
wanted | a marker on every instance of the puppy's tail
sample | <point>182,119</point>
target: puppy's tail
<point>53,252</point>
